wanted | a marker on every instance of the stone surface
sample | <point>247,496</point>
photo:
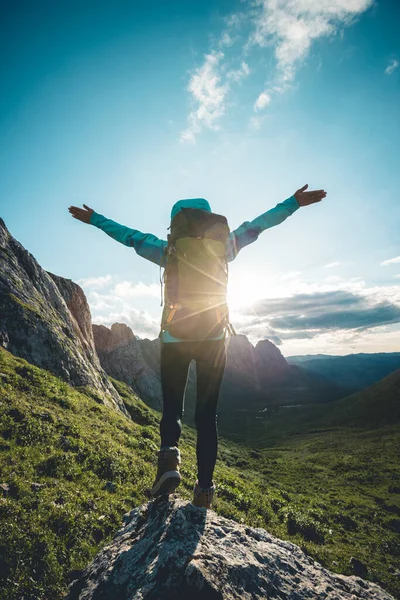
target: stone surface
<point>170,550</point>
<point>46,320</point>
<point>121,357</point>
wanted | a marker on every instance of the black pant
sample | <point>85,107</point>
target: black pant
<point>210,357</point>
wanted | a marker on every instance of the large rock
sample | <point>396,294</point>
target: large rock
<point>76,302</point>
<point>45,319</point>
<point>121,357</point>
<point>171,550</point>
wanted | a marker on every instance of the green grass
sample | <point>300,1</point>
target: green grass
<point>335,493</point>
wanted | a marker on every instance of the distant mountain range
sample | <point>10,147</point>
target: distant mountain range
<point>352,372</point>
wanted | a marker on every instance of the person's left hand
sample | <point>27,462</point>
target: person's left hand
<point>304,198</point>
<point>82,214</point>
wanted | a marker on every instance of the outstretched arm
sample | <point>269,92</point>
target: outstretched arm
<point>146,245</point>
<point>249,231</point>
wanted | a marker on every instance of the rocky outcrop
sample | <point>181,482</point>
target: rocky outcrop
<point>121,357</point>
<point>251,371</point>
<point>171,550</point>
<point>76,302</point>
<point>45,319</point>
<point>107,340</point>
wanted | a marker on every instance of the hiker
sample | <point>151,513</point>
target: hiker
<point>195,318</point>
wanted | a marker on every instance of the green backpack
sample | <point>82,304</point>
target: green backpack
<point>196,276</point>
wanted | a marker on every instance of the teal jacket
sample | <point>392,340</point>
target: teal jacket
<point>152,248</point>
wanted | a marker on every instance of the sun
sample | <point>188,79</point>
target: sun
<point>243,292</point>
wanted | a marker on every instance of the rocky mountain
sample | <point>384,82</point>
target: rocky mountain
<point>262,375</point>
<point>173,550</point>
<point>121,357</point>
<point>354,371</point>
<point>46,320</point>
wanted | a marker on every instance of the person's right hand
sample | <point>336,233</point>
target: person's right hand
<point>82,214</point>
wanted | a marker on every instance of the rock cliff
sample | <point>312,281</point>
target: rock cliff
<point>45,319</point>
<point>171,550</point>
<point>121,357</point>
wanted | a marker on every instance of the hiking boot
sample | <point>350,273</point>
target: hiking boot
<point>203,497</point>
<point>168,477</point>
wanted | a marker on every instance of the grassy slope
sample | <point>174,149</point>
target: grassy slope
<point>336,494</point>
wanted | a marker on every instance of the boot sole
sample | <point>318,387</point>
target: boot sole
<point>167,483</point>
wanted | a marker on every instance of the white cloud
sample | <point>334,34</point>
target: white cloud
<point>112,301</point>
<point>391,261</point>
<point>127,289</point>
<point>117,305</point>
<point>289,27</point>
<point>392,66</point>
<point>96,282</point>
<point>226,40</point>
<point>289,275</point>
<point>238,74</point>
<point>304,316</point>
<point>380,339</point>
<point>262,101</point>
<point>332,264</point>
<point>187,136</point>
<point>101,301</point>
<point>208,94</point>
<point>234,20</point>
<point>256,122</point>
<point>332,279</point>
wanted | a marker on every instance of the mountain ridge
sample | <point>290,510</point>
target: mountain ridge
<point>46,320</point>
<point>352,371</point>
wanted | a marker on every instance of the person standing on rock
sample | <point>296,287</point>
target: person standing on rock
<point>195,318</point>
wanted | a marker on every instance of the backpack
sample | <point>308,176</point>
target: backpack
<point>196,276</point>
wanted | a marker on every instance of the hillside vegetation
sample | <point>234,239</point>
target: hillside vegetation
<point>71,467</point>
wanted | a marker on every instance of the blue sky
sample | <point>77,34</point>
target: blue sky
<point>128,107</point>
